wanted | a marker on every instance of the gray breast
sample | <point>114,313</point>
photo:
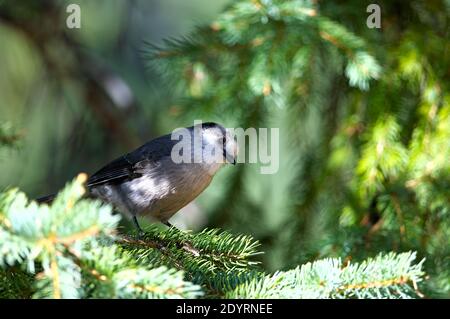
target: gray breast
<point>160,192</point>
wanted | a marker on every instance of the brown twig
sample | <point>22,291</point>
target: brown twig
<point>398,210</point>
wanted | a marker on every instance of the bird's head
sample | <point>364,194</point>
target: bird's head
<point>220,140</point>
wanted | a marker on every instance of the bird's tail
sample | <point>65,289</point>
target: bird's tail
<point>46,199</point>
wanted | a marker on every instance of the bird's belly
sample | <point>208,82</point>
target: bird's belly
<point>166,206</point>
<point>158,197</point>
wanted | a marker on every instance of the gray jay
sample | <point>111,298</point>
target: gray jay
<point>151,181</point>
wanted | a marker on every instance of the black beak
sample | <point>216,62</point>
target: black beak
<point>228,158</point>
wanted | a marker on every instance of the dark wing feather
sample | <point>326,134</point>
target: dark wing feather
<point>128,166</point>
<point>115,171</point>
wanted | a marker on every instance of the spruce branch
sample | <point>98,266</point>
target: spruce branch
<point>60,244</point>
<point>206,258</point>
<point>84,257</point>
<point>111,272</point>
<point>386,276</point>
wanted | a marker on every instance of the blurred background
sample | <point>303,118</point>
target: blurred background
<point>82,97</point>
<point>363,168</point>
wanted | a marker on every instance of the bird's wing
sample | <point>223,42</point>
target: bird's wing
<point>129,166</point>
<point>115,171</point>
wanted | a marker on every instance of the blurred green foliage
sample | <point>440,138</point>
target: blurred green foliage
<point>364,114</point>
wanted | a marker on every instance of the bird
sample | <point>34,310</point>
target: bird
<point>151,182</point>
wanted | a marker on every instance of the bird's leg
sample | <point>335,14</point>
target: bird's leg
<point>136,224</point>
<point>185,245</point>
<point>169,224</point>
<point>159,244</point>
